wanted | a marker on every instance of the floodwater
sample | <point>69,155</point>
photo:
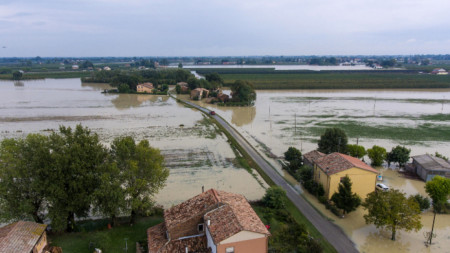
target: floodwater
<point>296,118</point>
<point>195,154</point>
<point>281,67</point>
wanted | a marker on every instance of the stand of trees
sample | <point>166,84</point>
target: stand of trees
<point>70,173</point>
<point>333,140</point>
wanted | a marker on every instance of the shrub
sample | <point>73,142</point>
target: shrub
<point>424,202</point>
<point>275,197</point>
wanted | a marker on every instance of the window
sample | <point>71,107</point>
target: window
<point>200,227</point>
<point>230,250</point>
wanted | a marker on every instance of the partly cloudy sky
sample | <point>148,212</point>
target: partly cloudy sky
<point>223,27</point>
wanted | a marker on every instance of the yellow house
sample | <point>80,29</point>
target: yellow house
<point>330,169</point>
<point>144,87</point>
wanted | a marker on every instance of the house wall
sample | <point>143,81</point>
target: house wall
<point>363,181</point>
<point>40,245</point>
<point>255,246</point>
<point>243,236</point>
<point>308,163</point>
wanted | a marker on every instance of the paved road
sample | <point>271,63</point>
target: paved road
<point>330,231</point>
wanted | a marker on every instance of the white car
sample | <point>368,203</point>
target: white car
<point>382,187</point>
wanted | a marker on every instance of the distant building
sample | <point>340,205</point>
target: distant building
<point>439,72</point>
<point>213,221</point>
<point>106,68</point>
<point>145,87</point>
<point>23,237</point>
<point>199,93</point>
<point>428,166</point>
<point>329,170</point>
<point>74,67</point>
<point>184,87</point>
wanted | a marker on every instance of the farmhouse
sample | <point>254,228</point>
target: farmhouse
<point>330,169</point>
<point>144,87</point>
<point>310,157</point>
<point>427,166</point>
<point>199,93</point>
<point>214,221</point>
<point>23,237</point>
<point>439,72</point>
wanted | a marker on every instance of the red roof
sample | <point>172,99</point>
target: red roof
<point>337,162</point>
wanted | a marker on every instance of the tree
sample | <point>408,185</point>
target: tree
<point>17,75</point>
<point>399,154</point>
<point>178,89</point>
<point>180,65</point>
<point>123,88</point>
<point>391,209</point>
<point>24,165</point>
<point>87,64</point>
<point>275,197</point>
<point>344,198</point>
<point>214,78</point>
<point>377,154</point>
<point>243,91</point>
<point>437,154</point>
<point>439,190</point>
<point>333,140</point>
<point>356,151</point>
<point>142,171</point>
<point>424,202</point>
<point>77,158</point>
<point>294,157</point>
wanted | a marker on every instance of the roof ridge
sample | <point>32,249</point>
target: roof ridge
<point>215,194</point>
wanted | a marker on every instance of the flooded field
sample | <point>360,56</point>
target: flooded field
<point>418,119</point>
<point>196,153</point>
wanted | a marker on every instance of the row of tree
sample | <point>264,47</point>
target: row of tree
<point>335,140</point>
<point>70,174</point>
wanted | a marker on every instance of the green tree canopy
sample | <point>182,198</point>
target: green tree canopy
<point>333,140</point>
<point>77,157</point>
<point>17,75</point>
<point>344,198</point>
<point>377,154</point>
<point>392,210</point>
<point>439,190</point>
<point>24,167</point>
<point>275,197</point>
<point>356,151</point>
<point>243,91</point>
<point>399,154</point>
<point>214,78</point>
<point>294,157</point>
<point>142,171</point>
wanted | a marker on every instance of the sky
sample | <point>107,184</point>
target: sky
<point>80,28</point>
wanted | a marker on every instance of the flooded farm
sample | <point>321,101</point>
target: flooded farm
<point>199,155</point>
<point>196,153</point>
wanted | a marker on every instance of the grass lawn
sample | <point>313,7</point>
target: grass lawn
<point>112,240</point>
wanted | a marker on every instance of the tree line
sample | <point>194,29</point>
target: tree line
<point>70,174</point>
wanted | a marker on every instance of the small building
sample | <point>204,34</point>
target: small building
<point>213,221</point>
<point>75,67</point>
<point>428,166</point>
<point>330,169</point>
<point>184,87</point>
<point>310,157</point>
<point>439,71</point>
<point>223,98</point>
<point>199,93</point>
<point>23,237</point>
<point>145,87</point>
<point>106,68</point>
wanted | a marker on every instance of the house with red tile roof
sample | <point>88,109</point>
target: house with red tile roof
<point>330,169</point>
<point>144,88</point>
<point>23,237</point>
<point>213,221</point>
<point>310,157</point>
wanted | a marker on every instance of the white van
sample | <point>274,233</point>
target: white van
<point>382,187</point>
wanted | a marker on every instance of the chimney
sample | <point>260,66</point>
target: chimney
<point>203,188</point>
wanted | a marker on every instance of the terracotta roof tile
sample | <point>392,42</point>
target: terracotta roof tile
<point>157,242</point>
<point>337,162</point>
<point>20,236</point>
<point>313,155</point>
<point>190,207</point>
<point>234,216</point>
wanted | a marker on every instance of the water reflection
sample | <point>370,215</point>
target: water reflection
<point>96,86</point>
<point>241,115</point>
<point>126,101</point>
<point>19,84</point>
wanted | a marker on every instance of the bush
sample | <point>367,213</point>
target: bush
<point>424,202</point>
<point>275,197</point>
<point>323,199</point>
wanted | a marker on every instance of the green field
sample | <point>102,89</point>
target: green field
<point>295,79</point>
